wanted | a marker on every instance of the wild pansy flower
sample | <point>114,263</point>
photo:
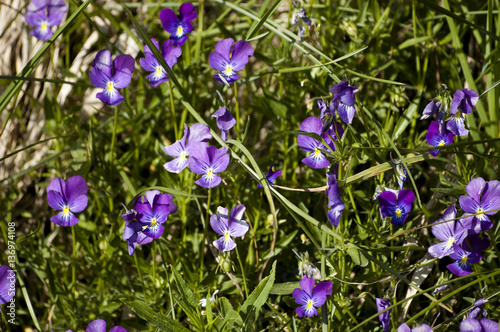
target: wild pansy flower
<point>225,121</point>
<point>178,26</point>
<point>297,17</point>
<point>421,328</point>
<point>432,108</point>
<point>477,310</point>
<point>335,204</point>
<point>463,101</point>
<point>169,52</point>
<point>153,209</point>
<point>208,161</point>
<point>385,317</point>
<point>473,325</point>
<point>463,260</point>
<point>308,144</point>
<point>43,15</point>
<point>310,297</point>
<point>396,205</point>
<point>450,232</point>
<point>7,279</point>
<point>229,63</point>
<point>476,241</point>
<point>229,226</point>
<point>437,138</point>
<point>456,125</point>
<point>271,176</point>
<point>132,232</point>
<point>99,325</point>
<point>344,100</point>
<point>111,76</point>
<point>197,134</point>
<point>68,197</point>
<point>483,199</point>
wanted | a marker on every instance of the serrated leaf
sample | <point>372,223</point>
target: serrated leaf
<point>144,311</point>
<point>284,288</point>
<point>250,309</point>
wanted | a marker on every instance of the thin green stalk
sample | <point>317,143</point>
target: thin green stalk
<point>324,307</point>
<point>242,272</point>
<point>154,264</point>
<point>168,281</point>
<point>237,108</point>
<point>113,138</point>
<point>73,255</point>
<point>205,231</point>
<point>197,47</point>
<point>172,109</point>
<point>139,271</point>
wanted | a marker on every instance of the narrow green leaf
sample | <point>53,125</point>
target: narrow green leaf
<point>253,30</point>
<point>412,42</point>
<point>357,257</point>
<point>407,116</point>
<point>250,308</point>
<point>285,288</point>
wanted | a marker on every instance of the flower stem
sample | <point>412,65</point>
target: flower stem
<point>154,264</point>
<point>237,108</point>
<point>73,255</point>
<point>172,109</point>
<point>205,230</point>
<point>168,281</point>
<point>242,272</point>
<point>113,138</point>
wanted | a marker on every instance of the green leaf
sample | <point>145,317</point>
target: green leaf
<point>408,115</point>
<point>144,311</point>
<point>284,288</point>
<point>187,301</point>
<point>357,257</point>
<point>253,30</point>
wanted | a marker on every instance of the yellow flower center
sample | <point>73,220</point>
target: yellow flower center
<point>317,152</point>
<point>309,304</point>
<point>398,212</point>
<point>183,155</point>
<point>229,70</point>
<point>464,259</point>
<point>153,222</point>
<point>210,174</point>
<point>44,26</point>
<point>66,210</point>
<point>450,242</point>
<point>180,31</point>
<point>110,86</point>
<point>441,143</point>
<point>227,235</point>
<point>480,211</point>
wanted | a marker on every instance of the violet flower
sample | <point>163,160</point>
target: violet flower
<point>68,197</point>
<point>271,176</point>
<point>99,325</point>
<point>43,15</point>
<point>473,325</point>
<point>396,205</point>
<point>476,242</point>
<point>308,144</point>
<point>436,138</point>
<point>385,317</point>
<point>225,121</point>
<point>169,52</point>
<point>310,297</point>
<point>299,16</point>
<point>451,233</point>
<point>208,161</point>
<point>228,64</point>
<point>421,328</point>
<point>153,209</point>
<point>335,204</point>
<point>132,232</point>
<point>483,199</point>
<point>228,226</point>
<point>463,260</point>
<point>178,26</point>
<point>7,284</point>
<point>344,100</point>
<point>477,310</point>
<point>197,134</point>
<point>463,101</point>
<point>111,76</point>
<point>456,125</point>
<point>432,108</point>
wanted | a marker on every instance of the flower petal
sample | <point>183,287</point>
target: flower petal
<point>78,204</point>
<point>322,290</point>
<point>98,325</point>
<point>406,198</point>
<point>475,188</point>
<point>316,161</point>
<point>55,200</point>
<point>169,20</point>
<point>177,165</point>
<point>122,78</point>
<point>111,98</point>
<point>489,325</point>
<point>198,132</point>
<point>212,182</point>
<point>102,62</point>
<point>63,219</point>
<point>75,187</point>
<point>187,12</point>
<point>99,78</point>
<point>241,52</point>
<point>224,48</point>
<point>217,61</point>
<point>7,278</point>
<point>468,204</point>
<point>307,284</point>
<point>219,223</point>
<point>118,329</point>
<point>301,297</point>
<point>224,245</point>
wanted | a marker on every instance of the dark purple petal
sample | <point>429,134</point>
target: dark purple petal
<point>169,20</point>
<point>123,62</point>
<point>64,219</point>
<point>406,198</point>
<point>477,242</point>
<point>307,284</point>
<point>187,12</point>
<point>170,52</point>
<point>224,48</point>
<point>98,325</point>
<point>225,120</point>
<point>457,99</point>
<point>491,193</point>
<point>346,113</point>
<point>122,78</point>
<point>144,210</point>
<point>387,201</point>
<point>111,97</point>
<point>334,216</point>
<point>475,188</point>
<point>57,185</point>
<point>224,244</point>
<point>55,200</point>
<point>242,51</point>
<point>385,317</point>
<point>338,87</point>
<point>148,50</point>
<point>179,41</point>
<point>431,109</point>
<point>118,329</point>
<point>459,269</point>
<point>75,187</point>
<point>154,231</point>
<point>316,160</point>
<point>217,61</point>
<point>311,125</point>
<point>470,325</point>
<point>322,290</point>
<point>7,278</point>
<point>301,297</point>
<point>102,62</point>
<point>489,325</point>
<point>78,204</point>
<point>99,78</point>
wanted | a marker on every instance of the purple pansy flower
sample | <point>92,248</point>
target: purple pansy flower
<point>43,15</point>
<point>308,144</point>
<point>207,161</point>
<point>228,64</point>
<point>432,108</point>
<point>7,284</point>
<point>99,325</point>
<point>335,204</point>
<point>463,101</point>
<point>344,100</point>
<point>197,134</point>
<point>396,204</point>
<point>421,328</point>
<point>463,260</point>
<point>483,199</point>
<point>271,176</point>
<point>456,125</point>
<point>476,242</point>
<point>69,197</point>
<point>310,297</point>
<point>436,138</point>
<point>169,52</point>
<point>178,26</point>
<point>225,121</point>
<point>228,226</point>
<point>385,317</point>
<point>111,76</point>
<point>451,233</point>
<point>473,325</point>
<point>133,232</point>
<point>477,310</point>
<point>153,209</point>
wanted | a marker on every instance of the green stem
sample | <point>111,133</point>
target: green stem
<point>324,307</point>
<point>154,264</point>
<point>113,138</point>
<point>168,281</point>
<point>237,108</point>
<point>205,230</point>
<point>73,255</point>
<point>242,272</point>
<point>172,109</point>
<point>139,271</point>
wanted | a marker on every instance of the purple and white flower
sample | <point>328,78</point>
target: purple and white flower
<point>473,325</point>
<point>432,108</point>
<point>344,100</point>
<point>385,317</point>
<point>111,76</point>
<point>310,297</point>
<point>68,197</point>
<point>483,199</point>
<point>169,52</point>
<point>396,205</point>
<point>7,279</point>
<point>208,161</point>
<point>451,233</point>
<point>225,121</point>
<point>228,59</point>
<point>463,101</point>
<point>178,26</point>
<point>43,15</point>
<point>229,226</point>
<point>197,134</point>
<point>456,125</point>
<point>133,232</point>
<point>463,260</point>
<point>153,209</point>
<point>335,204</point>
<point>437,138</point>
<point>271,176</point>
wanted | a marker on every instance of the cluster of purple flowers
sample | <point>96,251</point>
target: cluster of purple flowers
<point>463,239</point>
<point>145,222</point>
<point>441,132</point>
<point>385,318</point>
